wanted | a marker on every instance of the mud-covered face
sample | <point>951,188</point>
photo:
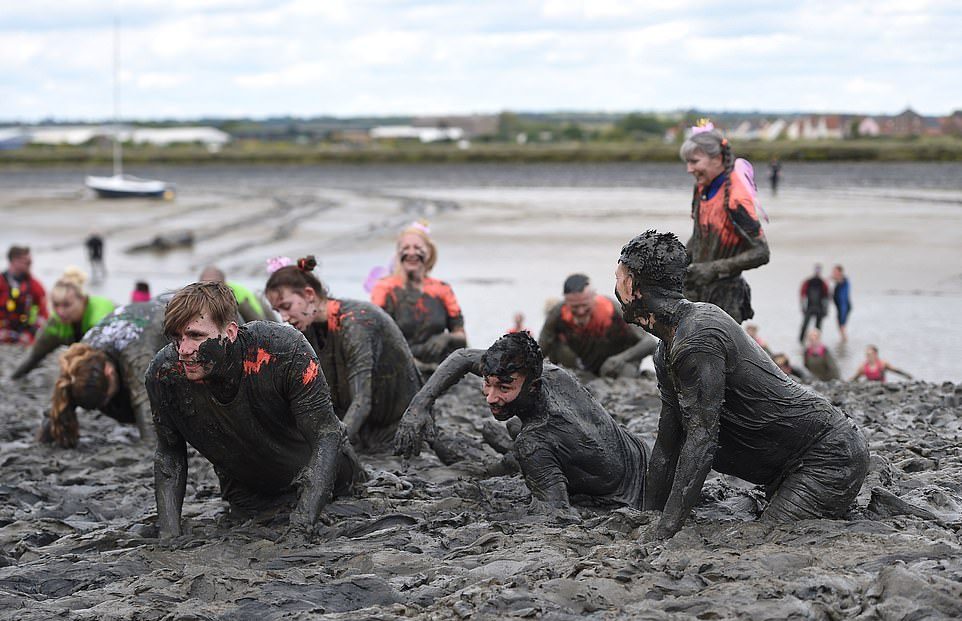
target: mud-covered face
<point>68,305</point>
<point>202,345</point>
<point>500,392</point>
<point>633,307</point>
<point>412,253</point>
<point>581,305</point>
<point>297,308</point>
<point>704,168</point>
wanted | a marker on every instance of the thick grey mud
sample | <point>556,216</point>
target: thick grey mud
<point>426,540</point>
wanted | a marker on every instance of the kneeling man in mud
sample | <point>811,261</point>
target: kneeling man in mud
<point>251,400</point>
<point>569,447</point>
<point>726,405</point>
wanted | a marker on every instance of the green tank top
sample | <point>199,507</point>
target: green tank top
<point>98,307</point>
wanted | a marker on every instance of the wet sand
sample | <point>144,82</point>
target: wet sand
<point>77,532</point>
<point>508,237</point>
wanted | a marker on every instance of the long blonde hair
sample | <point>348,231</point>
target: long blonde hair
<point>82,382</point>
<point>418,228</point>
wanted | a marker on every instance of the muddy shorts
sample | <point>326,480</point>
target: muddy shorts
<point>732,295</point>
<point>825,481</point>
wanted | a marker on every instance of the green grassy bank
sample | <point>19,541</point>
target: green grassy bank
<point>253,152</point>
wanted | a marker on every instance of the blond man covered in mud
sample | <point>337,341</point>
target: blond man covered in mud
<point>569,447</point>
<point>726,405</point>
<point>251,400</point>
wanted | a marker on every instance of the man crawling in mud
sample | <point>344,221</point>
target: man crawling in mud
<point>726,405</point>
<point>586,331</point>
<point>251,400</point>
<point>568,447</point>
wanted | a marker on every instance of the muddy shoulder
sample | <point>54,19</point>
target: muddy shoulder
<point>421,539</point>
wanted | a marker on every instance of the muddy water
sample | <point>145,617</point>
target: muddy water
<point>77,533</point>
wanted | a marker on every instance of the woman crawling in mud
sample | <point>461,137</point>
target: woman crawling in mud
<point>105,371</point>
<point>364,357</point>
<point>569,447</point>
<point>425,308</point>
<point>726,405</point>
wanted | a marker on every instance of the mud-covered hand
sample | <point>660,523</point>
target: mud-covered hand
<point>416,426</point>
<point>435,346</point>
<point>700,274</point>
<point>612,366</point>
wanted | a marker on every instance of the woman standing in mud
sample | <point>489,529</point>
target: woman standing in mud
<point>74,314</point>
<point>727,238</point>
<point>105,372</point>
<point>874,368</point>
<point>424,308</point>
<point>364,357</point>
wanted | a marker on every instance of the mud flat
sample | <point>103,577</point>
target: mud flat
<point>77,532</point>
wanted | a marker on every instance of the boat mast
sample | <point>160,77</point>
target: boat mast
<point>118,155</point>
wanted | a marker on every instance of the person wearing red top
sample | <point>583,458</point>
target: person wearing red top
<point>586,331</point>
<point>363,355</point>
<point>425,308</point>
<point>23,300</point>
<point>727,238</point>
<point>874,368</point>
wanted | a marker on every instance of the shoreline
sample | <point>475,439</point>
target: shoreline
<point>283,153</point>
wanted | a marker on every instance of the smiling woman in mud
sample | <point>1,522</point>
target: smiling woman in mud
<point>74,314</point>
<point>251,400</point>
<point>727,238</point>
<point>105,372</point>
<point>569,447</point>
<point>425,308</point>
<point>726,405</point>
<point>363,354</point>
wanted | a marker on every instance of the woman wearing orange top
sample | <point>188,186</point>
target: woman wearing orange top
<point>727,237</point>
<point>423,307</point>
<point>874,368</point>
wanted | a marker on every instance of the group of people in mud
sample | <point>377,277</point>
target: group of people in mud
<point>286,411</point>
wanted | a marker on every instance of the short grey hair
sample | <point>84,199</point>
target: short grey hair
<point>709,143</point>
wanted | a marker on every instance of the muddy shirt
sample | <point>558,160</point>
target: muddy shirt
<point>57,332</point>
<point>364,356</point>
<point>252,438</point>
<point>605,335</point>
<point>821,363</point>
<point>130,336</point>
<point>419,314</point>
<point>767,421</point>
<point>580,445</point>
<point>722,231</point>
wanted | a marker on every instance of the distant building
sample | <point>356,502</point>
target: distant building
<point>473,126</point>
<point>210,137</point>
<point>422,134</point>
<point>869,127</point>
<point>164,136</point>
<point>13,138</point>
<point>952,125</point>
<point>64,134</point>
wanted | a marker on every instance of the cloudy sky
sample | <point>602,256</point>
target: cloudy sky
<point>192,58</point>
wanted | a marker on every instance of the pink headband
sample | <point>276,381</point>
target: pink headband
<point>276,263</point>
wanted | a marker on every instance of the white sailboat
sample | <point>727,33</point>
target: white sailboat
<point>120,185</point>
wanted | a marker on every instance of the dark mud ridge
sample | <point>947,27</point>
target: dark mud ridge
<point>77,533</point>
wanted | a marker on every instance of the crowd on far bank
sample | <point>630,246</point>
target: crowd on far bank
<point>286,410</point>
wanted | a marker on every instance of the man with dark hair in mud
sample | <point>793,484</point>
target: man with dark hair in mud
<point>251,400</point>
<point>726,405</point>
<point>568,446</point>
<point>586,331</point>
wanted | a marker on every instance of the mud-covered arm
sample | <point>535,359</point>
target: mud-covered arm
<point>554,349</point>
<point>134,360</point>
<point>664,455</point>
<point>702,379</point>
<point>645,346</point>
<point>47,342</point>
<point>858,374</point>
<point>313,413</point>
<point>897,371</point>
<point>170,460</point>
<point>755,254</point>
<point>417,424</point>
<point>544,477</point>
<point>359,356</point>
